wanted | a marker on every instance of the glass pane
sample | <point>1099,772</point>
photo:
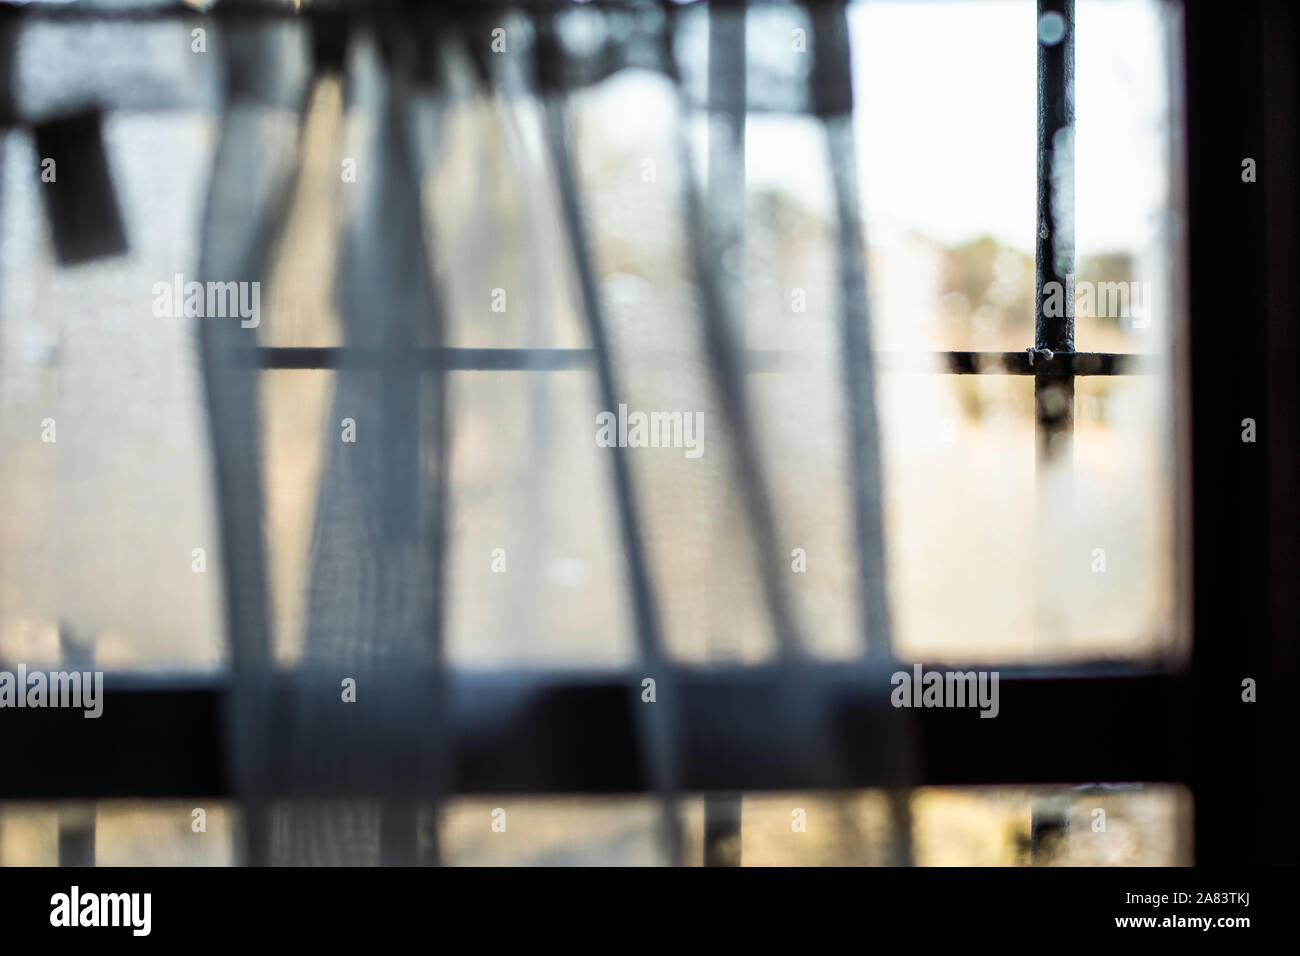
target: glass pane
<point>1096,825</point>
<point>112,551</point>
<point>118,833</point>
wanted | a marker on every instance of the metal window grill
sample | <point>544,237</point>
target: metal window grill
<point>552,733</point>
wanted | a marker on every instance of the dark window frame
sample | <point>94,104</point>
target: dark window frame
<point>163,735</point>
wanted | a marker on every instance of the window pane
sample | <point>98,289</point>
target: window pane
<point>118,833</point>
<point>109,545</point>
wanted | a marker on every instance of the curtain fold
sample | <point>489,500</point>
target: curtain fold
<point>336,783</point>
<point>253,167</point>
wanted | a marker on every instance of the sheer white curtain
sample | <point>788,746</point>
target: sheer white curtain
<point>461,186</point>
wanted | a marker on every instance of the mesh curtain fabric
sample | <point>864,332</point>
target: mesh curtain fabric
<point>474,172</point>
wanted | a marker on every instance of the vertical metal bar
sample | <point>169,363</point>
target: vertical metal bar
<point>76,823</point>
<point>1054,251</point>
<point>722,836</point>
<point>1053,321</point>
<point>725,196</point>
<point>77,835</point>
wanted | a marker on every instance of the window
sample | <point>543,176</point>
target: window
<point>349,554</point>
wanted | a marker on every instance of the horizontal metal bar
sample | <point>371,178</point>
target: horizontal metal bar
<point>757,360</point>
<point>448,359</point>
<point>1025,363</point>
<point>563,360</point>
<point>542,733</point>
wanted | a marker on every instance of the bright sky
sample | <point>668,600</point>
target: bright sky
<point>946,119</point>
<point>945,122</point>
